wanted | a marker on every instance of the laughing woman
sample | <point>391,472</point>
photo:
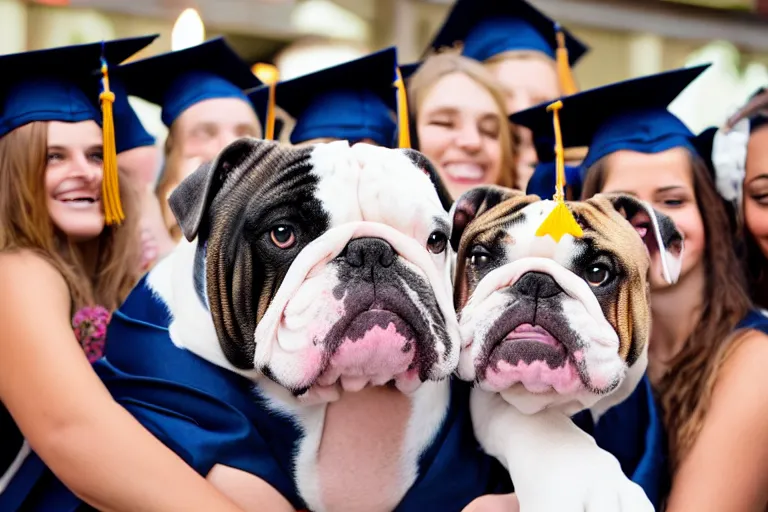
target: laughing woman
<point>59,256</point>
<point>461,123</point>
<point>755,194</point>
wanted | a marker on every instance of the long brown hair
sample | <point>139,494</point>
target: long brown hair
<point>685,390</point>
<point>448,62</point>
<point>25,223</point>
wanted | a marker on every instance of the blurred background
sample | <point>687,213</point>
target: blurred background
<point>628,38</point>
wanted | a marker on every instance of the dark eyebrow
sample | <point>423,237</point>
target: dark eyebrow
<point>763,176</point>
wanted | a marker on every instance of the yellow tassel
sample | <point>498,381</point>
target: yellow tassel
<point>567,83</point>
<point>110,186</point>
<point>269,74</point>
<point>403,127</point>
<point>560,221</point>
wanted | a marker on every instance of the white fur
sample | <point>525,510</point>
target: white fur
<point>555,465</point>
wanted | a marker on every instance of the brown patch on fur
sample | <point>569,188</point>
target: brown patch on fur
<point>630,312</point>
<point>486,224</point>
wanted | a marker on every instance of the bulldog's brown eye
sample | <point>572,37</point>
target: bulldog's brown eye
<point>437,242</point>
<point>479,257</point>
<point>597,274</point>
<point>283,236</point>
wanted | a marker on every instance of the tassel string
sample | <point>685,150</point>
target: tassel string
<point>403,127</point>
<point>113,208</point>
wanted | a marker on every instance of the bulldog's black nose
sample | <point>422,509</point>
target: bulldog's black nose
<point>369,253</point>
<point>537,285</point>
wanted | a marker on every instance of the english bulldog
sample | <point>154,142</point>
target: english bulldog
<point>550,328</point>
<point>321,275</point>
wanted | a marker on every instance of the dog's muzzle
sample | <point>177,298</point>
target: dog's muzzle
<point>370,307</point>
<point>533,322</point>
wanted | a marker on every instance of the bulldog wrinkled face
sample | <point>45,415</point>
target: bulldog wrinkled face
<point>547,322</point>
<point>324,267</point>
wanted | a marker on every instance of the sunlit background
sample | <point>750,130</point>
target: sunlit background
<point>628,38</point>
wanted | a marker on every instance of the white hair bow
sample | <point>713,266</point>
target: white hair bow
<point>729,159</point>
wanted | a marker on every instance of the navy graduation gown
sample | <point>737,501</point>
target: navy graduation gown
<point>755,319</point>
<point>209,415</point>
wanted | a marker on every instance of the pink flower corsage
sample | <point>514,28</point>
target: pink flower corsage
<point>90,325</point>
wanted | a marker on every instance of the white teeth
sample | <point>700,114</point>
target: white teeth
<point>465,171</point>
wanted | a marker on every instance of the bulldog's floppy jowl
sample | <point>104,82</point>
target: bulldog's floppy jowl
<point>307,277</point>
<point>557,323</point>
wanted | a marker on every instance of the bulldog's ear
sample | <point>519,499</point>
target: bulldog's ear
<point>473,203</point>
<point>657,230</point>
<point>190,201</point>
<point>423,163</point>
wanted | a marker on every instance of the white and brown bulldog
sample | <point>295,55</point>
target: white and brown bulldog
<point>322,275</point>
<point>550,328</point>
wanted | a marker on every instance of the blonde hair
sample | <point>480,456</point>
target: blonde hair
<point>25,223</point>
<point>447,63</point>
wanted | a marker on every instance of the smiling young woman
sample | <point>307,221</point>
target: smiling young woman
<point>461,123</point>
<point>59,256</point>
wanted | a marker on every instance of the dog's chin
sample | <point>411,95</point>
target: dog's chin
<point>530,356</point>
<point>377,347</point>
<point>374,347</point>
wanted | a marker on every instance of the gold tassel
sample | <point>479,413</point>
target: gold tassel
<point>403,127</point>
<point>110,186</point>
<point>560,221</point>
<point>269,74</point>
<point>567,83</point>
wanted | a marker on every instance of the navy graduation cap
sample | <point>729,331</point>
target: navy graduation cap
<point>407,70</point>
<point>180,79</point>
<point>629,115</point>
<point>129,132</point>
<point>486,28</point>
<point>58,84</point>
<point>352,101</point>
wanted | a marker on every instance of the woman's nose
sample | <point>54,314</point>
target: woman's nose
<point>86,169</point>
<point>469,139</point>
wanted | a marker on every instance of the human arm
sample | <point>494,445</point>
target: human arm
<point>727,467</point>
<point>248,491</point>
<point>90,442</point>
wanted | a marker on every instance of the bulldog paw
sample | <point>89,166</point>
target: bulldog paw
<point>595,484</point>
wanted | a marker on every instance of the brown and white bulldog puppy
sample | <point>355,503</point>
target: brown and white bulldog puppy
<point>550,328</point>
